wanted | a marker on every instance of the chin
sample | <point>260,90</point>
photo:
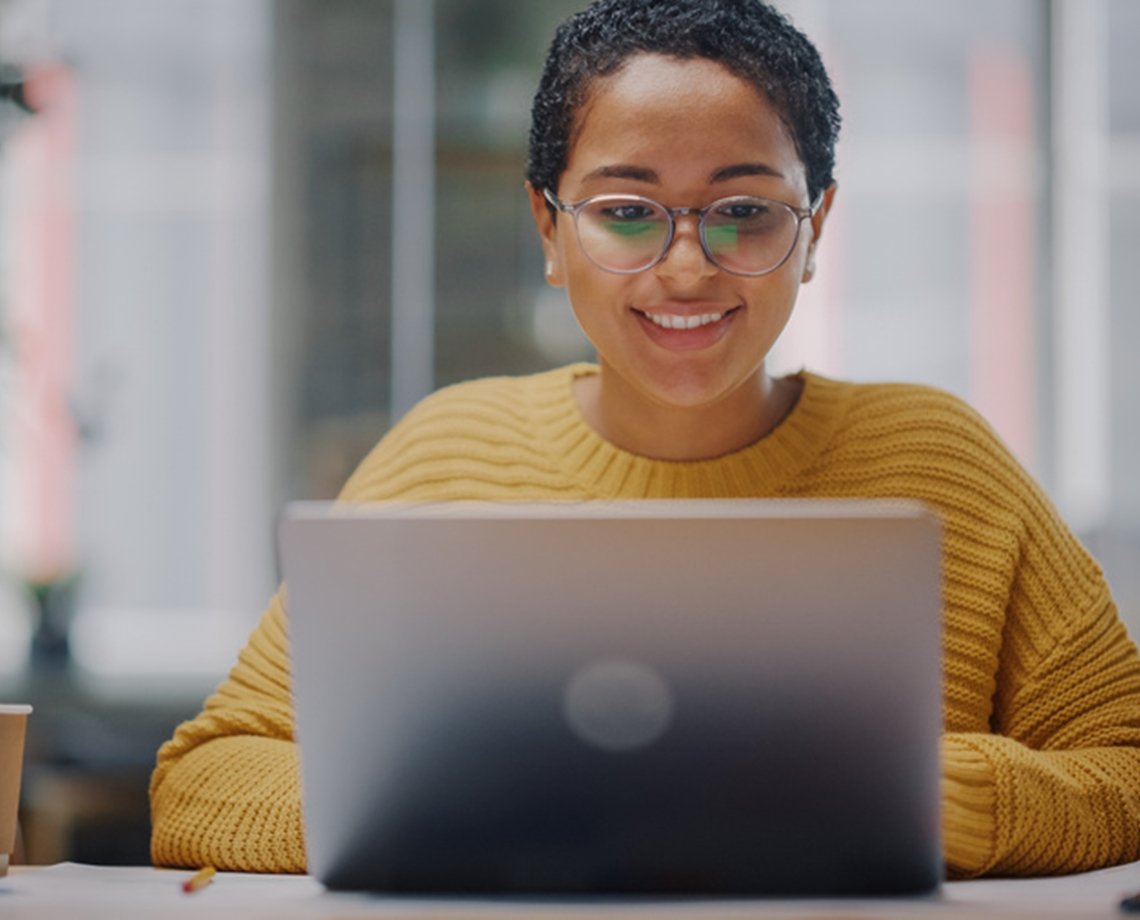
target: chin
<point>691,392</point>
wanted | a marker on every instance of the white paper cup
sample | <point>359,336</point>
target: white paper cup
<point>13,721</point>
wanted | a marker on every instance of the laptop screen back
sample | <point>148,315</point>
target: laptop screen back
<point>700,697</point>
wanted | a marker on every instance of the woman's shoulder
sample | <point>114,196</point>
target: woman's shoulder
<point>917,423</point>
<point>489,397</point>
<point>901,406</point>
<point>924,431</point>
<point>490,423</point>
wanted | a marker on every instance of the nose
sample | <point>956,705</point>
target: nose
<point>685,259</point>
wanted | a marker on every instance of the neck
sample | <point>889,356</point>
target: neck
<point>631,421</point>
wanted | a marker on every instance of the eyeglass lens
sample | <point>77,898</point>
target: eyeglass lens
<point>743,235</point>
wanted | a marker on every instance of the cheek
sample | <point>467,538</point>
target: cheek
<point>773,297</point>
<point>789,286</point>
<point>583,276</point>
<point>595,298</point>
<point>599,299</point>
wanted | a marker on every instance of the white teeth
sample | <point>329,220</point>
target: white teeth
<point>673,321</point>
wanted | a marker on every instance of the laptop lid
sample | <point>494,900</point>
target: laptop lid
<point>701,697</point>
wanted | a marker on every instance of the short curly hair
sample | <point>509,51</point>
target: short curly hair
<point>749,37</point>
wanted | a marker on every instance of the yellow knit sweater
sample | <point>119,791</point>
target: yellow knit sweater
<point>1041,711</point>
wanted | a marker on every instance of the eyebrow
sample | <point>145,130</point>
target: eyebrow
<point>641,174</point>
<point>623,171</point>
<point>745,169</point>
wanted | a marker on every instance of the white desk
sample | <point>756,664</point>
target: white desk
<point>71,891</point>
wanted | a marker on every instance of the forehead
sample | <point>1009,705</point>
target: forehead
<point>679,115</point>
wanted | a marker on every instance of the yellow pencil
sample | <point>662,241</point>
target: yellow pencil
<point>199,879</point>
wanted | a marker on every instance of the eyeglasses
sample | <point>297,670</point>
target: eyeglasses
<point>743,235</point>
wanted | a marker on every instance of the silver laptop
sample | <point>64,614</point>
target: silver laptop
<point>688,697</point>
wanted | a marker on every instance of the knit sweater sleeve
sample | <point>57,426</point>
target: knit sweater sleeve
<point>1041,703</point>
<point>1055,786</point>
<point>225,791</point>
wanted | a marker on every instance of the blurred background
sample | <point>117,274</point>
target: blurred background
<point>238,238</point>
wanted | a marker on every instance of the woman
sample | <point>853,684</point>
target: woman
<point>680,178</point>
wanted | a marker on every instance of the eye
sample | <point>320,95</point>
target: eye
<point>627,218</point>
<point>745,210</point>
<point>750,215</point>
<point>633,211</point>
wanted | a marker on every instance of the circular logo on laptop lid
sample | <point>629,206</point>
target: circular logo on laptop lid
<point>617,704</point>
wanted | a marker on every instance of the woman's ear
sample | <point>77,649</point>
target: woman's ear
<point>547,225</point>
<point>817,221</point>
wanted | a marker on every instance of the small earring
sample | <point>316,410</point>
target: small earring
<point>549,269</point>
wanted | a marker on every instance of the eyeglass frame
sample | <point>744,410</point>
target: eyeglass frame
<point>575,208</point>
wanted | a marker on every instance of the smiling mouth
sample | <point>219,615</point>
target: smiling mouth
<point>677,321</point>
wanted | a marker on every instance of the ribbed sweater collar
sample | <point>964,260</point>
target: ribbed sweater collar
<point>757,470</point>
